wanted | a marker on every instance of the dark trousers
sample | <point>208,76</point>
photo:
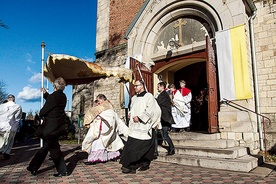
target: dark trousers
<point>165,131</point>
<point>166,137</point>
<point>53,147</point>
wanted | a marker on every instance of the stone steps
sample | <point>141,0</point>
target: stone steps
<point>195,136</point>
<point>242,164</point>
<point>234,152</point>
<point>223,144</point>
<point>209,151</point>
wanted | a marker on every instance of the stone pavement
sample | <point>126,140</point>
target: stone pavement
<point>14,170</point>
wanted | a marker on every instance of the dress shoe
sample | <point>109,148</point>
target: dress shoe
<point>60,175</point>
<point>33,172</point>
<point>127,170</point>
<point>144,168</point>
<point>171,152</point>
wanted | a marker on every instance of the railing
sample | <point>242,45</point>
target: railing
<point>237,106</point>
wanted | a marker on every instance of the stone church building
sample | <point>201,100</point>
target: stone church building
<point>170,40</point>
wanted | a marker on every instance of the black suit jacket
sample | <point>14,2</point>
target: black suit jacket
<point>53,114</point>
<point>164,101</point>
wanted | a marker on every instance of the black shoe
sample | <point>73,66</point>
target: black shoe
<point>33,172</point>
<point>126,170</point>
<point>171,152</point>
<point>90,163</point>
<point>144,168</point>
<point>6,156</point>
<point>60,175</point>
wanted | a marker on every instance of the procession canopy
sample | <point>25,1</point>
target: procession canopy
<point>77,71</point>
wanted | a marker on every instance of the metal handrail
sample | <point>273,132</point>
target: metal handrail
<point>263,117</point>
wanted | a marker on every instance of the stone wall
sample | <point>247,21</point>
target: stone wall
<point>85,90</point>
<point>265,42</point>
<point>102,25</point>
<point>112,89</point>
<point>239,125</point>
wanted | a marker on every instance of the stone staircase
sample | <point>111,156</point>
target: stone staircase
<point>208,151</point>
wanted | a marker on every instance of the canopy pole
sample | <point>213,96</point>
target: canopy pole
<point>145,86</point>
<point>42,82</point>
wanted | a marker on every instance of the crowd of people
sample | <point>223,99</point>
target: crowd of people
<point>108,137</point>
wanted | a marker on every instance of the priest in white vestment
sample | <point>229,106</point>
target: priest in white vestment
<point>10,115</point>
<point>181,109</point>
<point>102,141</point>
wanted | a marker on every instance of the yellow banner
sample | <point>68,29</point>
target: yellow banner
<point>240,63</point>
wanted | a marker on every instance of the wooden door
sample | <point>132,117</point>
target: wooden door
<point>146,75</point>
<point>212,87</point>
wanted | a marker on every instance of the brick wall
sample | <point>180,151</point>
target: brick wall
<point>122,13</point>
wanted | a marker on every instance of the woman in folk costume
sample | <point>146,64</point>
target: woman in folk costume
<point>102,141</point>
<point>181,109</point>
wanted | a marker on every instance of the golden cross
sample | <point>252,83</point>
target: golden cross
<point>180,23</point>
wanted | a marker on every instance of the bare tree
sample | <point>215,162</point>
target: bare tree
<point>3,93</point>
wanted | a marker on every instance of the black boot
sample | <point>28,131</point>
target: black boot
<point>171,152</point>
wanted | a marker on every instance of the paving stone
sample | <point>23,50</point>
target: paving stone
<point>14,170</point>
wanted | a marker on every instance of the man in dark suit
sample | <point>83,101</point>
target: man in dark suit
<point>164,101</point>
<point>53,116</point>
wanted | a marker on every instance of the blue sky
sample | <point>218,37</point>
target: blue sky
<point>66,27</point>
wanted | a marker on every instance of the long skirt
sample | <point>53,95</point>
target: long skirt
<point>136,150</point>
<point>99,153</point>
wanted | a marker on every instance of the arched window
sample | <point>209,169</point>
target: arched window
<point>181,32</point>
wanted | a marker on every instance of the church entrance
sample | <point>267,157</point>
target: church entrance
<point>195,77</point>
<point>193,71</point>
<point>198,69</point>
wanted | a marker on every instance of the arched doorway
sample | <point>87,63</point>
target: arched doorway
<point>196,81</point>
<point>200,70</point>
<point>194,73</point>
<point>174,46</point>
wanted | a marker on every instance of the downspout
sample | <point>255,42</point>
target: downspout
<point>255,78</point>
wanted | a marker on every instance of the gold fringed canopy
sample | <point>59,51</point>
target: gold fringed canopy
<point>78,71</point>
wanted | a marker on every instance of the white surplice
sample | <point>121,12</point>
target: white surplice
<point>181,110</point>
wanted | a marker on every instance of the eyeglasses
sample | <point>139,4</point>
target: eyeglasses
<point>137,85</point>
